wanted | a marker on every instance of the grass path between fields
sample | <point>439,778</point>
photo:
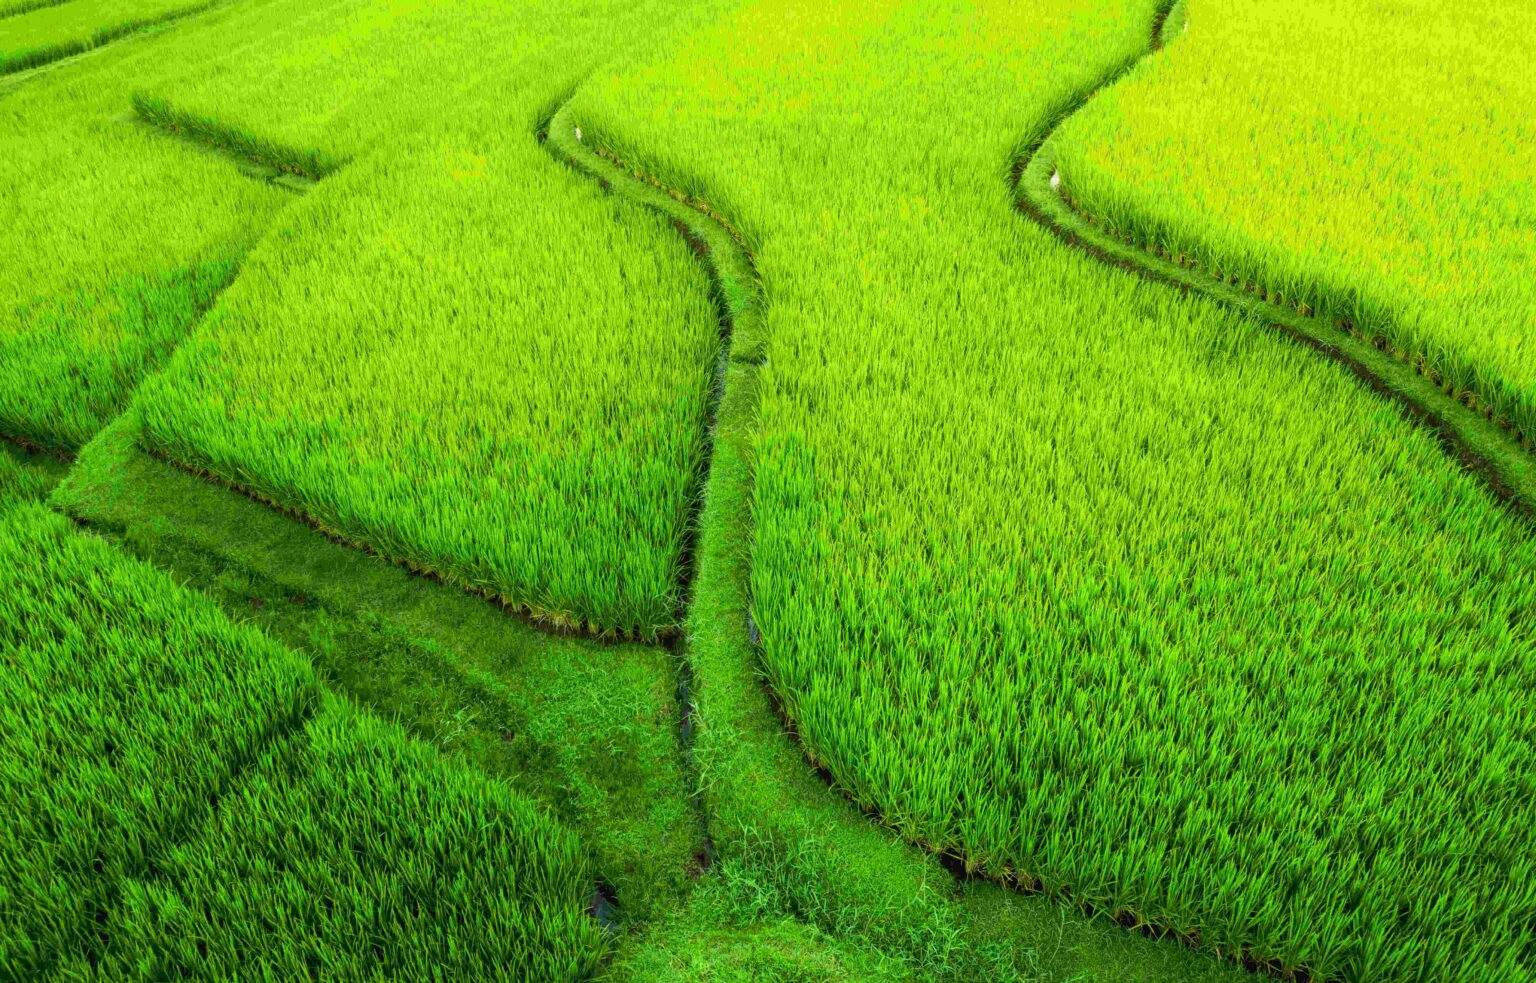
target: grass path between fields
<point>1471,433</point>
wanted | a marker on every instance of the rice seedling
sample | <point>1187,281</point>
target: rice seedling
<point>126,703</point>
<point>358,854</point>
<point>1370,161</point>
<point>456,355</point>
<point>37,33</point>
<point>1100,588</point>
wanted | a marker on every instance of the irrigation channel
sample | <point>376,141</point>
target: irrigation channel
<point>739,303</point>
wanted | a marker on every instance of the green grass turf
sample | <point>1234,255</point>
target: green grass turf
<point>353,853</point>
<point>113,241</point>
<point>587,729</point>
<point>126,704</point>
<point>1372,161</point>
<point>48,32</point>
<point>1100,587</point>
<point>711,943</point>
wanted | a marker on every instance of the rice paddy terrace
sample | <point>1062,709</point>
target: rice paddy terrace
<point>755,490</point>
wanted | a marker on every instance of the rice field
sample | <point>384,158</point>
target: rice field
<point>116,240</point>
<point>33,34</point>
<point>499,491</point>
<point>470,408</point>
<point>1387,183</point>
<point>1070,578</point>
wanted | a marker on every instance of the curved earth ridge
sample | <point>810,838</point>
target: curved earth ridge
<point>1479,440</point>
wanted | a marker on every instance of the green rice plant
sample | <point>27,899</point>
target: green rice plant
<point>354,853</point>
<point>452,398</point>
<point>11,8</point>
<point>113,241</point>
<point>1371,161</point>
<point>509,401</point>
<point>455,355</point>
<point>1099,587</point>
<point>38,33</point>
<point>126,704</point>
